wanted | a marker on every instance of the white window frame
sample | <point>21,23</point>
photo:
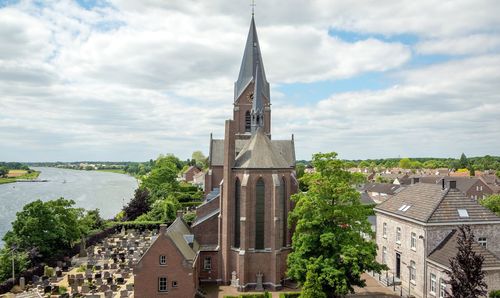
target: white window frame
<point>384,255</point>
<point>433,284</point>
<point>482,241</point>
<point>442,288</point>
<point>163,260</point>
<point>162,284</point>
<point>413,241</point>
<point>398,235</point>
<point>384,230</point>
<point>207,263</point>
<point>413,272</point>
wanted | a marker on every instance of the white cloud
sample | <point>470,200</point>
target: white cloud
<point>137,79</point>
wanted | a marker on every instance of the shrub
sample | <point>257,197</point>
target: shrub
<point>290,295</point>
<point>494,294</point>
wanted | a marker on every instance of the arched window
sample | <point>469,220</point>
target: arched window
<point>259,214</point>
<point>248,121</point>
<point>284,212</point>
<point>237,194</point>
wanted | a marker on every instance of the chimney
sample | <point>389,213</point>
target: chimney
<point>443,184</point>
<point>163,229</point>
<point>415,180</point>
<point>452,184</point>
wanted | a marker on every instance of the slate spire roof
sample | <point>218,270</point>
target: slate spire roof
<point>260,153</point>
<point>251,59</point>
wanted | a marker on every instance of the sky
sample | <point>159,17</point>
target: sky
<point>127,80</point>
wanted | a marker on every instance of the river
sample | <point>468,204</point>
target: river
<point>89,189</point>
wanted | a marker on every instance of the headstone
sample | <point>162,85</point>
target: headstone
<point>109,280</point>
<point>114,287</point>
<point>108,294</point>
<point>106,274</point>
<point>123,294</point>
<point>22,282</point>
<point>59,273</point>
<point>53,279</point>
<point>74,288</point>
<point>47,289</point>
<point>105,266</point>
<point>35,279</point>
<point>85,289</point>
<point>113,266</point>
<point>98,281</point>
<point>259,286</point>
<point>130,287</point>
<point>83,252</point>
<point>103,288</point>
<point>234,280</point>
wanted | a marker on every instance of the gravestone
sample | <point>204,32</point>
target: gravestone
<point>234,280</point>
<point>85,289</point>
<point>74,288</point>
<point>47,289</point>
<point>130,287</point>
<point>22,282</point>
<point>105,266</point>
<point>108,294</point>
<point>103,288</point>
<point>123,294</point>
<point>83,252</point>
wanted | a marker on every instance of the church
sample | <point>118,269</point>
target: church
<point>240,236</point>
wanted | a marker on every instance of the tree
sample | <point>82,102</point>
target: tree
<point>91,221</point>
<point>163,177</point>
<point>464,162</point>
<point>138,205</point>
<point>3,171</point>
<point>164,210</point>
<point>49,227</point>
<point>329,249</point>
<point>466,274</point>
<point>405,163</point>
<point>492,202</point>
<point>300,169</point>
<point>200,160</point>
<point>21,262</point>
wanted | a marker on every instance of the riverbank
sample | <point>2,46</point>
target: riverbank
<point>22,175</point>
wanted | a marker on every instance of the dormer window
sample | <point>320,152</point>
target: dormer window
<point>463,213</point>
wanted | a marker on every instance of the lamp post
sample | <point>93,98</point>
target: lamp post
<point>13,250</point>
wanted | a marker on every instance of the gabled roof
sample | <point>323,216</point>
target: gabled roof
<point>285,148</point>
<point>463,183</point>
<point>251,58</point>
<point>386,188</point>
<point>178,232</point>
<point>429,203</point>
<point>448,249</point>
<point>259,153</point>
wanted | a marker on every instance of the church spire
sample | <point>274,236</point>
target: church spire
<point>257,112</point>
<point>248,70</point>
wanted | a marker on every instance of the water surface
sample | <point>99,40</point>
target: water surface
<point>89,189</point>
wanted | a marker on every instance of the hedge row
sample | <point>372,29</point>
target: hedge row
<point>263,295</point>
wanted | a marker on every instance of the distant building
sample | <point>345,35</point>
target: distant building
<point>416,228</point>
<point>380,192</point>
<point>189,174</point>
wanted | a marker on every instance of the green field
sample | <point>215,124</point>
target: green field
<point>19,174</point>
<point>117,171</point>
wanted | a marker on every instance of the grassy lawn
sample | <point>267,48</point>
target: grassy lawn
<point>19,174</point>
<point>117,171</point>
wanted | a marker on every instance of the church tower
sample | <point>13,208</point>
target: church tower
<point>258,178</point>
<point>252,101</point>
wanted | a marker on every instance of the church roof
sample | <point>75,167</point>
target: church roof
<point>285,148</point>
<point>260,153</point>
<point>182,237</point>
<point>251,58</point>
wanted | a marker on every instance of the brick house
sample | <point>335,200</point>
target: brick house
<point>418,224</point>
<point>169,267</point>
<point>189,174</point>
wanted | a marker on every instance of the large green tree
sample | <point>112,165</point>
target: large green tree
<point>47,227</point>
<point>331,245</point>
<point>405,163</point>
<point>163,177</point>
<point>492,202</point>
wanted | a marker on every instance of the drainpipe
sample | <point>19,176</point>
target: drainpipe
<point>425,263</point>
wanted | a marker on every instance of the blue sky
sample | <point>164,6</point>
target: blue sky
<point>129,80</point>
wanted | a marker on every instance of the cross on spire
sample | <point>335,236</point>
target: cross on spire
<point>253,7</point>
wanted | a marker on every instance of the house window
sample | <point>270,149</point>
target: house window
<point>413,241</point>
<point>442,288</point>
<point>384,230</point>
<point>398,235</point>
<point>482,241</point>
<point>433,284</point>
<point>207,263</point>
<point>384,255</point>
<point>259,214</point>
<point>163,260</point>
<point>162,284</point>
<point>283,212</point>
<point>237,194</point>
<point>413,271</point>
<point>174,284</point>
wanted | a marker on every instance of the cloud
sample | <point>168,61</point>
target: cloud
<point>128,80</point>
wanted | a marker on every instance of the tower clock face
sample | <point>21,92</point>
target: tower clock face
<point>250,97</point>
